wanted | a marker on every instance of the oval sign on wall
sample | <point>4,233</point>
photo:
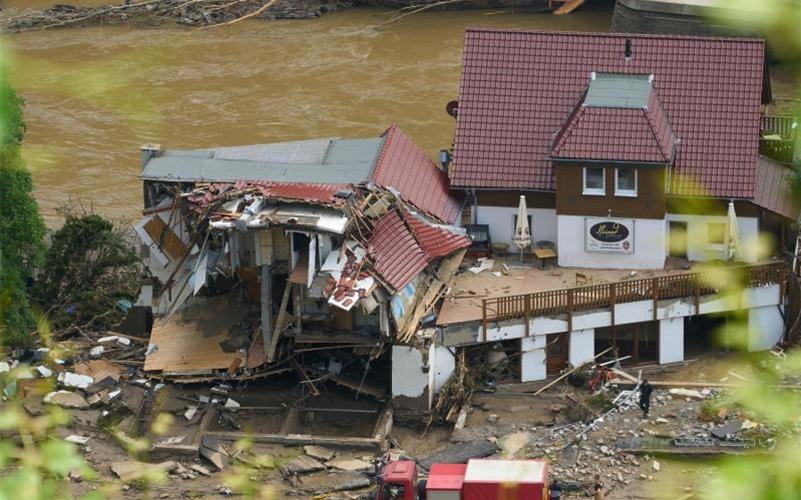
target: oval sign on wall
<point>609,232</point>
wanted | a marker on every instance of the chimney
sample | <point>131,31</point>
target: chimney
<point>627,51</point>
<point>148,151</point>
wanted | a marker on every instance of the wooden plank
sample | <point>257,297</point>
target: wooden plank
<point>568,7</point>
<point>165,238</point>
<point>308,380</point>
<point>190,340</point>
<point>300,440</point>
<point>279,324</point>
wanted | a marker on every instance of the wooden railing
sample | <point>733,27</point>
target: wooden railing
<point>782,151</point>
<point>585,298</point>
<point>782,125</point>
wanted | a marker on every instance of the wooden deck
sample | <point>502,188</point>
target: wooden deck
<point>530,292</point>
<point>606,295</point>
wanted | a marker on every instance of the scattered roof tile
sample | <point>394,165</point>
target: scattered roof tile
<point>436,240</point>
<point>314,193</point>
<point>518,88</point>
<point>397,256</point>
<point>403,166</point>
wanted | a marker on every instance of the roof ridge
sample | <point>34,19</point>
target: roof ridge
<point>663,148</point>
<point>601,34</point>
<point>389,134</point>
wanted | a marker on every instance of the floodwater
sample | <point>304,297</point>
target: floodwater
<point>93,95</point>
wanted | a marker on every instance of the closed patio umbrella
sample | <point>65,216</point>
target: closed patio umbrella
<point>732,245</point>
<point>522,236</point>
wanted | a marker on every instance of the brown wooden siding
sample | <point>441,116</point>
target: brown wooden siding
<point>649,203</point>
<point>534,199</point>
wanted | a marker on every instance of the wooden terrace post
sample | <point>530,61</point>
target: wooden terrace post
<point>484,319</point>
<point>655,295</point>
<point>613,300</point>
<point>570,309</point>
<point>527,312</point>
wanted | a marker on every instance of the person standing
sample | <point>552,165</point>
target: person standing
<point>598,489</point>
<point>645,397</point>
<point>555,491</point>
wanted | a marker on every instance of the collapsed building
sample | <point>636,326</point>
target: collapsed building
<point>313,256</point>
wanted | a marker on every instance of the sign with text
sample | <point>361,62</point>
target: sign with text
<point>609,235</point>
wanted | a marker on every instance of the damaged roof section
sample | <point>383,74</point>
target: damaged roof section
<point>316,169</point>
<point>318,161</point>
<point>294,255</point>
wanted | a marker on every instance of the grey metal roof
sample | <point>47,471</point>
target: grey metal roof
<point>328,161</point>
<point>616,90</point>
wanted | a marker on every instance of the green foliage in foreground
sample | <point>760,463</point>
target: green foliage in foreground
<point>22,229</point>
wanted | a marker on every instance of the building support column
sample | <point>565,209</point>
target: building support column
<point>532,358</point>
<point>765,327</point>
<point>671,340</point>
<point>442,364</point>
<point>266,306</point>
<point>582,346</point>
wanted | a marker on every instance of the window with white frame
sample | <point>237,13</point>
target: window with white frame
<point>594,181</point>
<point>626,182</point>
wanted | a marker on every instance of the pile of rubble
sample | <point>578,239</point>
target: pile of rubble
<point>190,13</point>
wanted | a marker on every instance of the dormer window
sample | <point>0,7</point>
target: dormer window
<point>626,182</point>
<point>594,181</point>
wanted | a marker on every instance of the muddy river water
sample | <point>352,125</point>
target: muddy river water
<point>94,95</point>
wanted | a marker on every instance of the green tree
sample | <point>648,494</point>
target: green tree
<point>89,266</point>
<point>22,229</point>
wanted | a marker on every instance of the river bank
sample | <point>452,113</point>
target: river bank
<point>206,13</point>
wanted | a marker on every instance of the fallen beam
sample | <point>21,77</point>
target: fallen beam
<point>301,440</point>
<point>669,384</point>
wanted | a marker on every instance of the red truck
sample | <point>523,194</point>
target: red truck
<point>478,479</point>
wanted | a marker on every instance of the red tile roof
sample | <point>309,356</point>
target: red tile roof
<point>611,133</point>
<point>396,255</point>
<point>401,247</point>
<point>403,166</point>
<point>518,88</point>
<point>314,193</point>
<point>436,240</point>
<point>772,190</point>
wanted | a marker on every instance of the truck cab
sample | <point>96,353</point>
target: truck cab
<point>398,481</point>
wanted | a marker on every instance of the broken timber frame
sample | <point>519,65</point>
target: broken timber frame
<point>279,324</point>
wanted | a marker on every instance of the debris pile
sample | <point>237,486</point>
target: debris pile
<point>314,276</point>
<point>615,444</point>
<point>182,12</point>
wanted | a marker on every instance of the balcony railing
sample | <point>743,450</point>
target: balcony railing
<point>585,298</point>
<point>781,125</point>
<point>782,148</point>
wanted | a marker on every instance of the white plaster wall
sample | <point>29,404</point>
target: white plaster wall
<point>408,377</point>
<point>501,223</point>
<point>765,327</point>
<point>671,340</point>
<point>649,246</point>
<point>582,346</point>
<point>532,358</point>
<point>443,363</point>
<point>698,246</point>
